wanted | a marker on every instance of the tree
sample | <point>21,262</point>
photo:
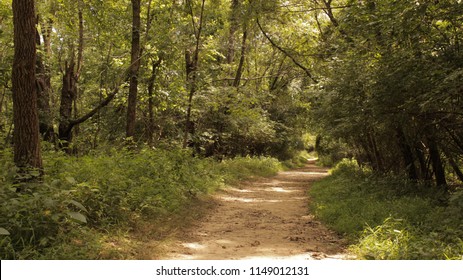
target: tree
<point>191,64</point>
<point>134,69</point>
<point>43,75</point>
<point>391,70</point>
<point>27,153</point>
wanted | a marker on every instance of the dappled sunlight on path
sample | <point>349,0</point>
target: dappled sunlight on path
<point>261,219</point>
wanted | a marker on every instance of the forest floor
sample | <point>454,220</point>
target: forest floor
<point>264,218</point>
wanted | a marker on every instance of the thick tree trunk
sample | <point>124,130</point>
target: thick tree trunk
<point>134,69</point>
<point>27,151</point>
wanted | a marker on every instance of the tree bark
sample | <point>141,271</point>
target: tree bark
<point>191,62</point>
<point>453,164</point>
<point>44,84</point>
<point>423,162</point>
<point>134,69</point>
<point>437,166</point>
<point>152,79</point>
<point>27,153</point>
<point>239,71</point>
<point>69,90</point>
<point>407,154</point>
<point>68,94</point>
<point>234,15</point>
<point>2,98</point>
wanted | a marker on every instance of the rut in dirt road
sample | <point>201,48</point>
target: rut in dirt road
<point>265,218</point>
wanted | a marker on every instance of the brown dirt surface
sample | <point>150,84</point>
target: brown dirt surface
<point>265,218</point>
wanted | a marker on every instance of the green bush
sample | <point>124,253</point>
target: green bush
<point>388,217</point>
<point>36,219</point>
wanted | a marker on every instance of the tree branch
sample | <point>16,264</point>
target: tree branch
<point>298,64</point>
<point>95,110</point>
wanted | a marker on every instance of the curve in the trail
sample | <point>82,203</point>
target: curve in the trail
<point>264,218</point>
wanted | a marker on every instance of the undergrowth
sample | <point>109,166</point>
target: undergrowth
<point>85,203</point>
<point>389,217</point>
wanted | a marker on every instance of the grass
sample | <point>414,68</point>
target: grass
<point>388,217</point>
<point>95,206</point>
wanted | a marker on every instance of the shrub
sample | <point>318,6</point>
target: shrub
<point>35,219</point>
<point>388,217</point>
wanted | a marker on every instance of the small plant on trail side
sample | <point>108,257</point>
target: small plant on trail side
<point>388,241</point>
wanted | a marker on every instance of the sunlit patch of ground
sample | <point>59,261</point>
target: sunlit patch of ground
<point>261,219</point>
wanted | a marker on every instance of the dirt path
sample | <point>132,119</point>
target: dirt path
<point>267,218</point>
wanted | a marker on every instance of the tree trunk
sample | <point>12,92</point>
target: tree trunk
<point>377,162</point>
<point>456,168</point>
<point>234,15</point>
<point>424,165</point>
<point>134,69</point>
<point>151,82</point>
<point>191,63</point>
<point>453,164</point>
<point>2,98</point>
<point>407,154</point>
<point>44,84</point>
<point>437,166</point>
<point>239,71</point>
<point>27,153</point>
<point>68,94</point>
<point>191,81</point>
<point>69,90</point>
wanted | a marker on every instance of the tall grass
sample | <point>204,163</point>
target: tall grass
<point>389,217</point>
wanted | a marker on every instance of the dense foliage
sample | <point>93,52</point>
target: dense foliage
<point>389,217</point>
<point>205,73</point>
<point>87,197</point>
<point>391,94</point>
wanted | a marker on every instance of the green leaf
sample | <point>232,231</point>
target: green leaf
<point>78,205</point>
<point>4,231</point>
<point>55,183</point>
<point>34,173</point>
<point>77,217</point>
<point>71,180</point>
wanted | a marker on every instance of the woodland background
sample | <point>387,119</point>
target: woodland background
<point>133,109</point>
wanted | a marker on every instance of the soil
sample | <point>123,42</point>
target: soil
<point>263,218</point>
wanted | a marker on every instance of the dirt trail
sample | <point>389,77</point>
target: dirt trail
<point>265,218</point>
